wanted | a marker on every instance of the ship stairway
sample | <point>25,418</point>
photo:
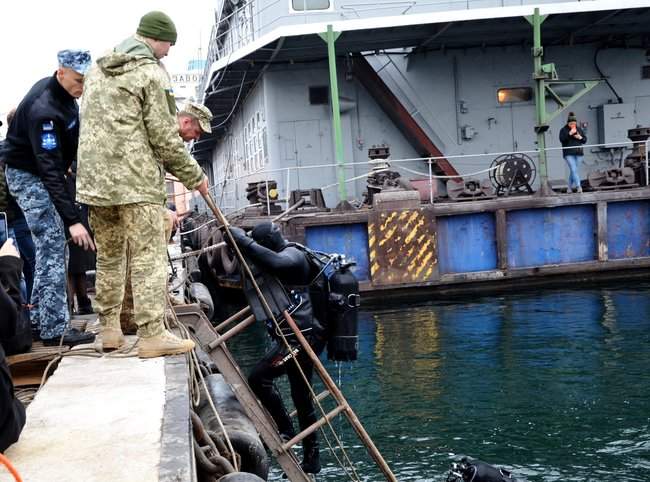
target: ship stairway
<point>212,340</point>
<point>400,115</point>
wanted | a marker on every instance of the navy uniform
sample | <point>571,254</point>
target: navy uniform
<point>40,146</point>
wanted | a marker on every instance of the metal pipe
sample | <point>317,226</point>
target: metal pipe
<point>647,143</point>
<point>268,198</point>
<point>235,330</point>
<point>292,208</point>
<point>430,182</point>
<point>313,427</point>
<point>234,317</point>
<point>540,101</point>
<point>319,398</point>
<point>330,37</point>
<point>198,252</point>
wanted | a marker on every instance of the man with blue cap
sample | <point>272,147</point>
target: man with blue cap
<point>40,146</point>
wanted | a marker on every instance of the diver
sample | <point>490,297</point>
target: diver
<point>273,256</point>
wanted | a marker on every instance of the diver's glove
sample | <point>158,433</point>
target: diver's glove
<point>242,240</point>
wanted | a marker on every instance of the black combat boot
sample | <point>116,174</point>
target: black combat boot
<point>71,338</point>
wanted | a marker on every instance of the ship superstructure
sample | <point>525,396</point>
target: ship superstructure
<point>459,71</point>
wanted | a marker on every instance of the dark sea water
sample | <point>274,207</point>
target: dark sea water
<point>553,385</point>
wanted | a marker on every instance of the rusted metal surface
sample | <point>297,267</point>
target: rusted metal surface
<point>401,117</point>
<point>402,246</point>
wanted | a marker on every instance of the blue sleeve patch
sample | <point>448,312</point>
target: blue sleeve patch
<point>48,137</point>
<point>48,141</point>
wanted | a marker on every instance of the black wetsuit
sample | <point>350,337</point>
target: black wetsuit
<point>291,267</point>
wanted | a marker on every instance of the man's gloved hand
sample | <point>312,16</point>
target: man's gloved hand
<point>240,237</point>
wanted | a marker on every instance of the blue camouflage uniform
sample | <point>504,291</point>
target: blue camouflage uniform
<point>40,146</point>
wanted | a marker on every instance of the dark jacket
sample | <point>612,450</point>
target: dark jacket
<point>42,139</point>
<point>12,412</point>
<point>570,141</point>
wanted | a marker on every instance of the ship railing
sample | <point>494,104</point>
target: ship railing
<point>471,166</point>
<point>256,24</point>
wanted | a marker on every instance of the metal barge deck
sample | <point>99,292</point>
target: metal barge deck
<point>467,245</point>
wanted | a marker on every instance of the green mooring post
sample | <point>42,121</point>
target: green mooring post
<point>330,37</point>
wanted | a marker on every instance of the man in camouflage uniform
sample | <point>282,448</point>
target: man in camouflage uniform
<point>41,145</point>
<point>129,137</point>
<point>193,121</point>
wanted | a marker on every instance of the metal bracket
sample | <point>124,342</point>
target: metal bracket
<point>563,104</point>
<point>529,18</point>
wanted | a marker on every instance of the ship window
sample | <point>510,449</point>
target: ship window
<point>319,95</point>
<point>514,94</point>
<point>645,71</point>
<point>305,5</point>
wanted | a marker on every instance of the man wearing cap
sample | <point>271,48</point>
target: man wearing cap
<point>129,138</point>
<point>194,120</point>
<point>41,145</point>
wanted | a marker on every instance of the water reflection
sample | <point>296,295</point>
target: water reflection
<point>552,384</point>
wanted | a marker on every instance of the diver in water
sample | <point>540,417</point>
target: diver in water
<point>273,255</point>
<point>472,470</point>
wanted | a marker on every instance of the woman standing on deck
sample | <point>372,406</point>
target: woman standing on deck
<point>572,138</point>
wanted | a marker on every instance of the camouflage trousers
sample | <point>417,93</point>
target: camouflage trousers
<point>49,294</point>
<point>131,235</point>
<point>127,314</point>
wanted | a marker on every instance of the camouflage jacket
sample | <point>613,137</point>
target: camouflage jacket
<point>129,132</point>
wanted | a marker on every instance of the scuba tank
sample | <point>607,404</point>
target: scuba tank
<point>342,310</point>
<point>334,293</point>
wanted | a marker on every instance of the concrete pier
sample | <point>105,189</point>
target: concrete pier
<point>108,419</point>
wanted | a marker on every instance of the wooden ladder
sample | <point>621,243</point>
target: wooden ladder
<point>212,341</point>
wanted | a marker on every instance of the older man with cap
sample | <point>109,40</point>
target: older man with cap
<point>41,145</point>
<point>129,138</point>
<point>194,120</point>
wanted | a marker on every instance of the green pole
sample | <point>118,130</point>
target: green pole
<point>330,37</point>
<point>540,101</point>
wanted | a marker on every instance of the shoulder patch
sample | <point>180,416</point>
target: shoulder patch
<point>48,136</point>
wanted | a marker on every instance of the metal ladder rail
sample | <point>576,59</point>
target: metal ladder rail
<point>213,344</point>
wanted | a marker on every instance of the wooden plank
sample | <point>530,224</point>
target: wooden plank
<point>601,223</point>
<point>502,239</point>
